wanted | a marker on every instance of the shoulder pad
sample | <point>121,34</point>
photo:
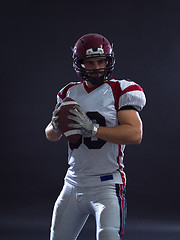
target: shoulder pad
<point>63,92</point>
<point>132,95</point>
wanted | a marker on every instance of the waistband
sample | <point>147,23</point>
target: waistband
<point>90,181</point>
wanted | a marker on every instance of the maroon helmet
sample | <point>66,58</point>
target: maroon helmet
<point>89,46</point>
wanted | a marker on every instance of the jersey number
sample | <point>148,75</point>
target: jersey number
<point>91,142</point>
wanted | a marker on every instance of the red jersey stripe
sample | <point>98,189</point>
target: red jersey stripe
<point>121,167</point>
<point>131,88</point>
<point>116,89</point>
<point>62,94</point>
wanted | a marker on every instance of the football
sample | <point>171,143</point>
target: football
<point>71,134</point>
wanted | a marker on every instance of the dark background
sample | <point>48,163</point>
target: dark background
<point>36,40</point>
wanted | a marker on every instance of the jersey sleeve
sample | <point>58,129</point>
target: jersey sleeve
<point>63,92</point>
<point>131,95</point>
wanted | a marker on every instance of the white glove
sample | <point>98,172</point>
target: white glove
<point>82,121</point>
<point>55,118</point>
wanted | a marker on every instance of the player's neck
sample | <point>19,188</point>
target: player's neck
<point>90,85</point>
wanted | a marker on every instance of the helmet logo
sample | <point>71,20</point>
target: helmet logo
<point>94,51</point>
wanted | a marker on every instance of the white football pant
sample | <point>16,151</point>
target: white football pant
<point>75,204</point>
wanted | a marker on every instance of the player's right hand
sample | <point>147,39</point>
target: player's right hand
<point>55,117</point>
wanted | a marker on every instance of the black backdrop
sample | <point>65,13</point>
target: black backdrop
<point>36,41</point>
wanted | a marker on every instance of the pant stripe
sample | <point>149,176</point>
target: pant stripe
<point>120,192</point>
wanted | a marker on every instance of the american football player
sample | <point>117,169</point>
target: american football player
<point>108,117</point>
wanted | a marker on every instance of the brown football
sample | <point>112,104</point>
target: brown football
<point>71,134</point>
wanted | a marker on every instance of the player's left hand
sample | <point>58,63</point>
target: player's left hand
<point>82,121</point>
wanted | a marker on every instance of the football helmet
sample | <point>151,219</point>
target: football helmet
<point>90,46</point>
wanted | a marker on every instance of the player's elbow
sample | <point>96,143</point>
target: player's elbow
<point>137,137</point>
<point>138,140</point>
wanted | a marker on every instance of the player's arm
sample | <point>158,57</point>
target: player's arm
<point>128,132</point>
<point>52,135</point>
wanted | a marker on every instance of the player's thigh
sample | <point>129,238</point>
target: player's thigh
<point>108,213</point>
<point>67,219</point>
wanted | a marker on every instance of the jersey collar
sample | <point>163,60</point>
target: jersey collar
<point>88,90</point>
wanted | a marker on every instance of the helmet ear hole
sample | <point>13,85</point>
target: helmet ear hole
<point>89,46</point>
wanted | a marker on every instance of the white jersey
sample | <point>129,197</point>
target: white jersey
<point>93,161</point>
